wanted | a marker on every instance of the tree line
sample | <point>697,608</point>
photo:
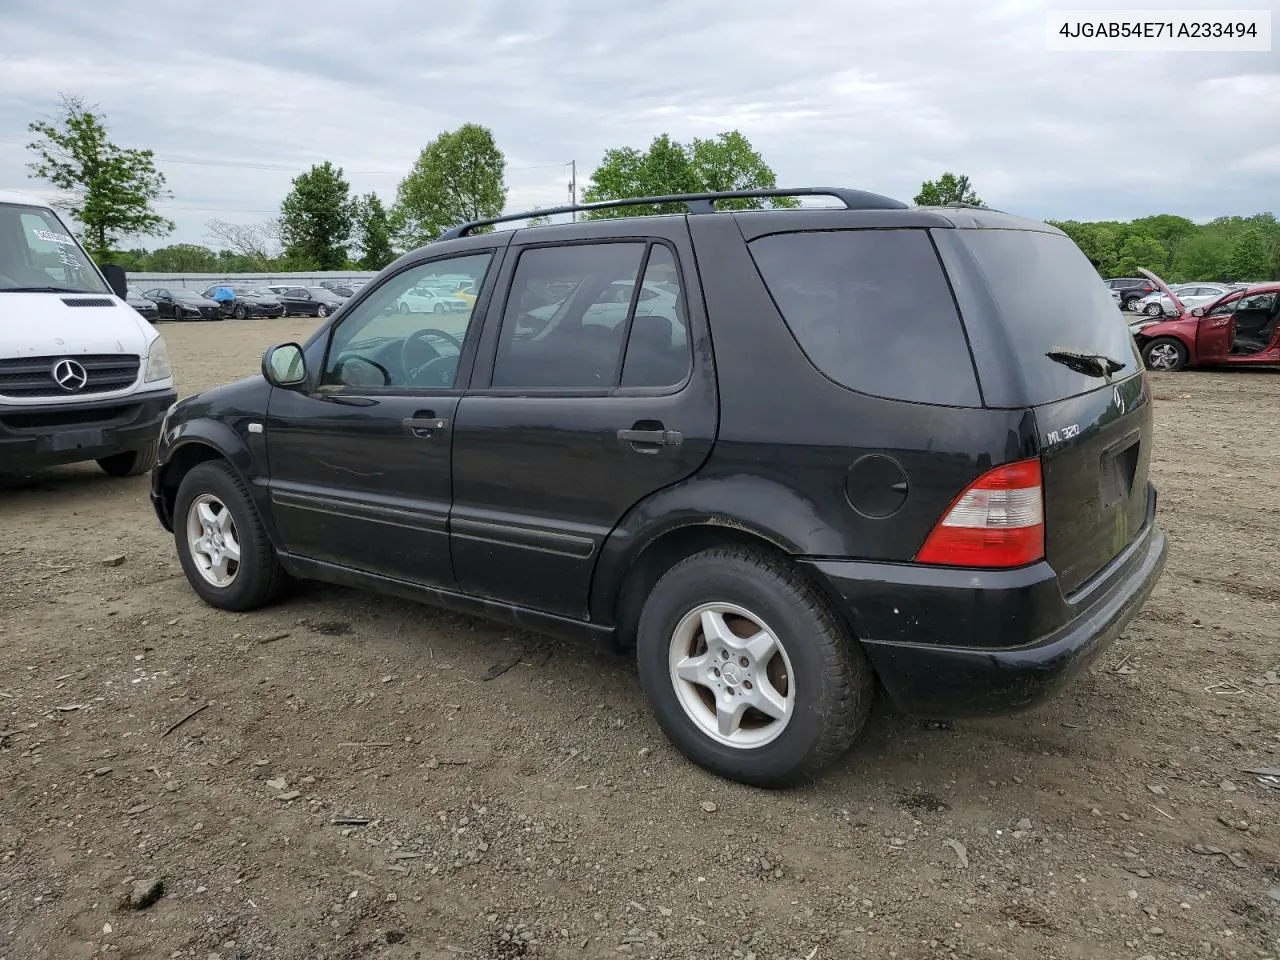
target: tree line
<point>461,176</point>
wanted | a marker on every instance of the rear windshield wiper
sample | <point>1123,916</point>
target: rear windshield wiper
<point>1081,361</point>
<point>42,290</point>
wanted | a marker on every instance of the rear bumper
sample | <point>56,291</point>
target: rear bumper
<point>956,643</point>
<point>45,435</point>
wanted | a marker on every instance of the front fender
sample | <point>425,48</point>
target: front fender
<point>753,505</point>
<point>217,425</point>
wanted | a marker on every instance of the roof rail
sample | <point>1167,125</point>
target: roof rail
<point>694,203</point>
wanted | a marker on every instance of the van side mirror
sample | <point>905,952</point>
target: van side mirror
<point>117,279</point>
<point>284,366</point>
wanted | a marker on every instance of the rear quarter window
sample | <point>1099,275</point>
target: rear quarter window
<point>872,311</point>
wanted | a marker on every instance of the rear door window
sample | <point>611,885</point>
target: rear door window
<point>1042,293</point>
<point>872,311</point>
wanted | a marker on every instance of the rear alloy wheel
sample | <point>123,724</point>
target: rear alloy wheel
<point>748,671</point>
<point>1164,353</point>
<point>222,544</point>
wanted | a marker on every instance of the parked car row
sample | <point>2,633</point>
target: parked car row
<point>1140,295</point>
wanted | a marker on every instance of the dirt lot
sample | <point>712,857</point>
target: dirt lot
<point>540,813</point>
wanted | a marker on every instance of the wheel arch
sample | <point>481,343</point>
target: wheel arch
<point>696,516</point>
<point>198,442</point>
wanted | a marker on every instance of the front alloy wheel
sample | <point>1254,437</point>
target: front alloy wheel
<point>221,541</point>
<point>1153,310</point>
<point>1165,354</point>
<point>213,540</point>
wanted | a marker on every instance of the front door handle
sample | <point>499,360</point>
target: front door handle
<point>425,427</point>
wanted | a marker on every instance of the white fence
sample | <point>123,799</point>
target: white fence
<point>201,280</point>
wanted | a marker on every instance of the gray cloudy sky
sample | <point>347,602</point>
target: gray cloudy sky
<point>237,97</point>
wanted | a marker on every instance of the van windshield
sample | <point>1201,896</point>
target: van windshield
<point>37,253</point>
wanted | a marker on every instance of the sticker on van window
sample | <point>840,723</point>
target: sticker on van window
<point>69,259</point>
<point>50,237</point>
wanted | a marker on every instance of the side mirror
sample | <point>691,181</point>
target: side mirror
<point>284,366</point>
<point>117,280</point>
<point>1198,312</point>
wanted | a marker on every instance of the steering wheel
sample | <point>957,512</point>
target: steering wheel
<point>414,367</point>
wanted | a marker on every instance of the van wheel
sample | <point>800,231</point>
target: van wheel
<point>222,545</point>
<point>129,463</point>
<point>1164,353</point>
<point>748,671</point>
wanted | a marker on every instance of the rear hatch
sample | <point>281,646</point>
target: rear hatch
<point>1059,346</point>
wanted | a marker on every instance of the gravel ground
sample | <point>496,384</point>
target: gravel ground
<point>355,786</point>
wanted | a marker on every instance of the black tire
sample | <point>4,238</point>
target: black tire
<point>241,312</point>
<point>259,578</point>
<point>1129,302</point>
<point>322,311</point>
<point>1153,310</point>
<point>1162,348</point>
<point>129,463</point>
<point>438,308</point>
<point>833,681</point>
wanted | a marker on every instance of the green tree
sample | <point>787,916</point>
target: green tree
<point>726,162</point>
<point>373,233</point>
<point>182,258</point>
<point>1202,256</point>
<point>1248,259</point>
<point>539,220</point>
<point>948,188</point>
<point>1100,242</point>
<point>1139,250</point>
<point>458,177</point>
<point>114,188</point>
<point>316,219</point>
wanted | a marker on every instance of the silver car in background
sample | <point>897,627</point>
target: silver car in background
<point>1191,295</point>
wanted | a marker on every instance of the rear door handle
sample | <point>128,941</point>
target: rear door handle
<point>648,441</point>
<point>425,427</point>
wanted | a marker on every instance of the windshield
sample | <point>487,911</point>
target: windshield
<point>188,294</point>
<point>37,253</point>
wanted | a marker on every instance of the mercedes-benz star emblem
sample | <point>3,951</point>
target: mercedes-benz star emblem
<point>70,375</point>
<point>1118,398</point>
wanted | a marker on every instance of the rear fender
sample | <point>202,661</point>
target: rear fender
<point>742,507</point>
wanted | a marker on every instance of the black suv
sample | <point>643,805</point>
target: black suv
<point>803,451</point>
<point>1131,289</point>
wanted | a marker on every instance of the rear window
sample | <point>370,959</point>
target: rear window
<point>872,310</point>
<point>1047,295</point>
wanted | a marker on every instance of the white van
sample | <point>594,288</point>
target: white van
<point>83,376</point>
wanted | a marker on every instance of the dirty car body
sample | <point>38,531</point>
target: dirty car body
<point>969,533</point>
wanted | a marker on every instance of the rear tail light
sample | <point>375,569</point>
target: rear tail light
<point>998,521</point>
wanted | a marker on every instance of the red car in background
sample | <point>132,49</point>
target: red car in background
<point>1240,328</point>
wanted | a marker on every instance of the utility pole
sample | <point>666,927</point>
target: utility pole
<point>573,187</point>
